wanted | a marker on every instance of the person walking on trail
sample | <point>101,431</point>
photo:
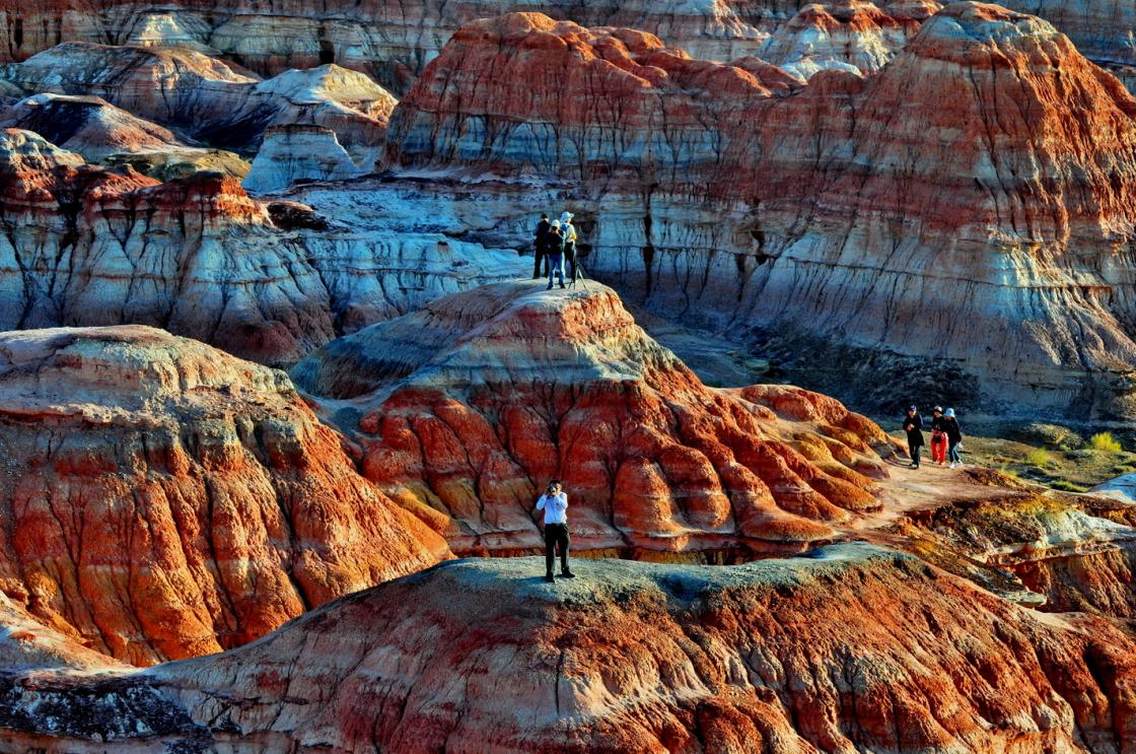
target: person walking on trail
<point>540,246</point>
<point>938,437</point>
<point>554,503</point>
<point>554,254</point>
<point>913,426</point>
<point>954,437</point>
<point>569,231</point>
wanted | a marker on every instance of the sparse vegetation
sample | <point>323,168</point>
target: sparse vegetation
<point>1051,436</point>
<point>1048,454</point>
<point>1105,442</point>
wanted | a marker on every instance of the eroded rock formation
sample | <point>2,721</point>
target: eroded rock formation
<point>163,500</point>
<point>101,132</point>
<point>466,409</point>
<point>853,35</point>
<point>391,41</point>
<point>394,41</point>
<point>210,100</point>
<point>824,217</point>
<point>631,658</point>
<point>85,245</point>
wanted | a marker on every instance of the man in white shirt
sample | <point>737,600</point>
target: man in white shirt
<point>554,503</point>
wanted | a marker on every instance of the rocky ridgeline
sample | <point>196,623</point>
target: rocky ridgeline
<point>162,499</point>
<point>212,101</point>
<point>950,192</point>
<point>465,409</point>
<point>394,41</point>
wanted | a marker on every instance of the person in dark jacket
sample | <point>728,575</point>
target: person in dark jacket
<point>913,426</point>
<point>954,437</point>
<point>554,254</point>
<point>540,246</point>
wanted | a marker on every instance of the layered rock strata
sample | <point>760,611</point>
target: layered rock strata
<point>396,42</point>
<point>631,657</point>
<point>466,409</point>
<point>856,212</point>
<point>84,245</point>
<point>101,132</point>
<point>209,100</point>
<point>164,500</point>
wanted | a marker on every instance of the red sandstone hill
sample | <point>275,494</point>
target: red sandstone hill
<point>852,649</point>
<point>161,499</point>
<point>469,406</point>
<point>979,183</point>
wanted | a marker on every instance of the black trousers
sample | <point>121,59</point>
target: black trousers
<point>914,451</point>
<point>539,270</point>
<point>570,262</point>
<point>556,535</point>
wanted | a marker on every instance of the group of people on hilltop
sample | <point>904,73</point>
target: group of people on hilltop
<point>554,244</point>
<point>946,436</point>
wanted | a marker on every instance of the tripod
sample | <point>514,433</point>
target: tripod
<point>577,272</point>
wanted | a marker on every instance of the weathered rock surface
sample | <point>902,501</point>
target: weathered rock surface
<point>89,246</point>
<point>466,409</point>
<point>1066,552</point>
<point>300,153</point>
<point>394,42</point>
<point>833,215</point>
<point>209,100</point>
<point>631,657</point>
<point>852,35</point>
<point>101,132</point>
<point>163,500</point>
<point>391,41</point>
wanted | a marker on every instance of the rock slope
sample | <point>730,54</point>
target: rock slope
<point>631,657</point>
<point>101,132</point>
<point>165,500</point>
<point>465,409</point>
<point>210,100</point>
<point>391,41</point>
<point>84,245</point>
<point>394,41</point>
<point>822,218</point>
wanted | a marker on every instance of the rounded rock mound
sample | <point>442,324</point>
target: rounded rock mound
<point>465,409</point>
<point>162,499</point>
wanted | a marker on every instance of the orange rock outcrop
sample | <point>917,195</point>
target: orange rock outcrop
<point>467,408</point>
<point>162,499</point>
<point>851,649</point>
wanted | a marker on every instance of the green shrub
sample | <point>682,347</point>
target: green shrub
<point>1105,442</point>
<point>1052,436</point>
<point>1039,458</point>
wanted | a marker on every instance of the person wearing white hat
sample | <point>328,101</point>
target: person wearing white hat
<point>555,254</point>
<point>569,232</point>
<point>954,437</point>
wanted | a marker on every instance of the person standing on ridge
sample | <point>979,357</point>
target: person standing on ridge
<point>554,503</point>
<point>540,245</point>
<point>954,438</point>
<point>554,254</point>
<point>938,437</point>
<point>913,426</point>
<point>569,231</point>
